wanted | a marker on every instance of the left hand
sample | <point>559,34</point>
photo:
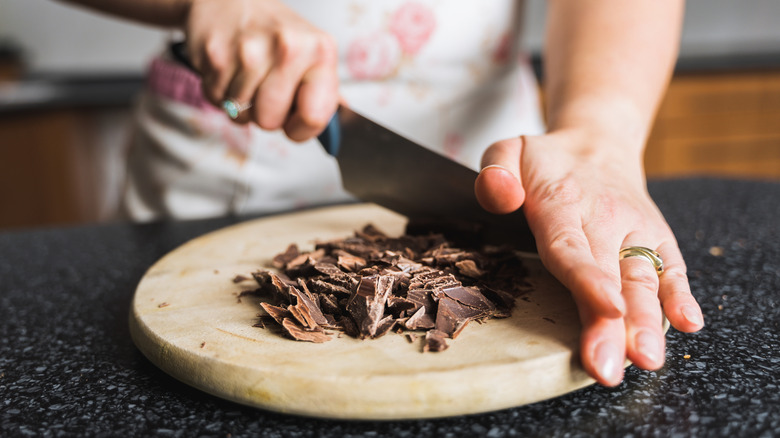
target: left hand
<point>585,199</point>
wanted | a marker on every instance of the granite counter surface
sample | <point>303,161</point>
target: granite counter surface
<point>69,368</point>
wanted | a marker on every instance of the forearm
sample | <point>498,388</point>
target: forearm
<point>169,13</point>
<point>607,64</point>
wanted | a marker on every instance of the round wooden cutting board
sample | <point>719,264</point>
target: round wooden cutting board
<point>187,320</point>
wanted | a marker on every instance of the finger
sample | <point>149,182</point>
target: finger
<point>499,187</point>
<point>217,66</point>
<point>254,64</point>
<point>566,252</point>
<point>644,330</point>
<point>317,97</point>
<point>678,303</point>
<point>602,348</point>
<point>275,95</point>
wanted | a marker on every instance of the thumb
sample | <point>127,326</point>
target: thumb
<point>499,185</point>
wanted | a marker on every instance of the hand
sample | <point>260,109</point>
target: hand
<point>585,199</point>
<point>261,52</point>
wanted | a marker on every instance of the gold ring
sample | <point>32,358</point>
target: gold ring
<point>648,254</point>
<point>233,108</point>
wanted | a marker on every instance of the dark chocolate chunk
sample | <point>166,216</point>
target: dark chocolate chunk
<point>281,260</point>
<point>451,315</point>
<point>276,312</point>
<point>367,304</point>
<point>366,285</point>
<point>419,320</point>
<point>469,268</point>
<point>298,333</point>
<point>305,310</point>
<point>470,296</point>
<point>435,341</point>
<point>329,304</point>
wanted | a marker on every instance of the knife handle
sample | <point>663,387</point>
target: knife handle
<point>330,137</point>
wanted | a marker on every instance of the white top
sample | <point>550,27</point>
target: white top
<point>445,73</point>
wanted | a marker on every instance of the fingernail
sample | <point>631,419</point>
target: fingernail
<point>607,361</point>
<point>498,166</point>
<point>692,315</point>
<point>492,166</point>
<point>648,346</point>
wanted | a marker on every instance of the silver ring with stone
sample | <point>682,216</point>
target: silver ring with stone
<point>648,254</point>
<point>233,108</point>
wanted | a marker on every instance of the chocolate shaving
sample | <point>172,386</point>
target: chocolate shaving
<point>299,334</point>
<point>370,284</point>
<point>469,268</point>
<point>276,312</point>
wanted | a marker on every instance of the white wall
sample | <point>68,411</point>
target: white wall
<point>711,26</point>
<point>62,38</point>
<point>58,37</point>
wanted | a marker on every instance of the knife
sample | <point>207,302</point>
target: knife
<point>383,167</point>
<point>380,166</point>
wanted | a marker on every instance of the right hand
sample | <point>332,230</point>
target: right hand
<point>261,52</point>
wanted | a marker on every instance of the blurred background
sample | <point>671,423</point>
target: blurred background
<point>68,79</point>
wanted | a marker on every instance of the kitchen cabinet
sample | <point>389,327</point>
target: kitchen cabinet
<point>724,124</point>
<point>60,165</point>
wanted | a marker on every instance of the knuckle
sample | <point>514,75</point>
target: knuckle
<point>313,119</point>
<point>249,53</point>
<point>645,278</point>
<point>215,55</point>
<point>287,47</point>
<point>269,121</point>
<point>326,48</point>
<point>566,240</point>
<point>675,276</point>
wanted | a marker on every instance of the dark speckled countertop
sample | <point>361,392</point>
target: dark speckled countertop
<point>68,366</point>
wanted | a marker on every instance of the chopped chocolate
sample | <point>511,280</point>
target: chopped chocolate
<point>367,304</point>
<point>470,296</point>
<point>384,326</point>
<point>240,278</point>
<point>398,305</point>
<point>451,315</point>
<point>369,284</point>
<point>469,268</point>
<point>276,312</point>
<point>329,304</point>
<point>299,334</point>
<point>435,341</point>
<point>419,320</point>
<point>281,260</point>
<point>349,262</point>
<point>305,310</point>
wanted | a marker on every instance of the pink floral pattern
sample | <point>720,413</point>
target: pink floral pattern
<point>375,57</point>
<point>412,24</point>
<point>503,49</point>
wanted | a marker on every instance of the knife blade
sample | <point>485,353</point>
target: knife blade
<point>380,166</point>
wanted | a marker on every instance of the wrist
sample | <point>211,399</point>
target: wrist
<point>611,150</point>
<point>617,122</point>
